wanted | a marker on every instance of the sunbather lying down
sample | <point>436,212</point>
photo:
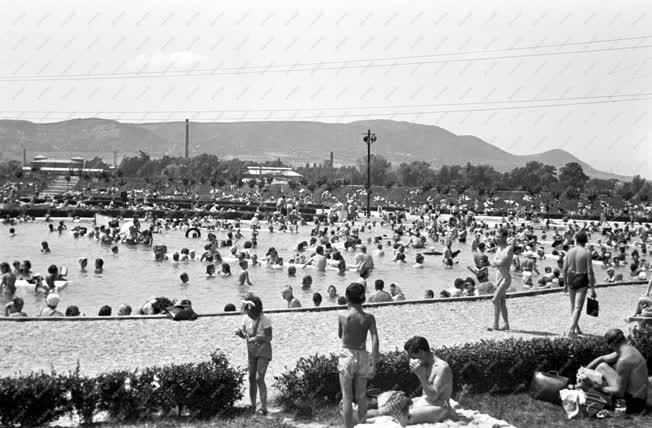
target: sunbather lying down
<point>394,409</point>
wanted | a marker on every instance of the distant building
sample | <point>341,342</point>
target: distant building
<point>277,173</point>
<point>73,166</point>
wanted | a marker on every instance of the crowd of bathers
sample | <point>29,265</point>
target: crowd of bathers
<point>613,245</point>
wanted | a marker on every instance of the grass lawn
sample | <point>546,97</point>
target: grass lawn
<point>519,410</point>
<point>522,411</point>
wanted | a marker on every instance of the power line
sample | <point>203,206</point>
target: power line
<point>187,111</point>
<point>341,116</point>
<point>291,67</point>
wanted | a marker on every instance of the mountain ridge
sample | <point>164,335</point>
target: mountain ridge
<point>294,142</point>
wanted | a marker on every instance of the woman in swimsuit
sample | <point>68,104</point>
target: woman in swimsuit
<point>502,263</point>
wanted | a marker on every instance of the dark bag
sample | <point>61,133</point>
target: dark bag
<point>594,403</point>
<point>546,386</point>
<point>592,307</point>
<point>178,313</point>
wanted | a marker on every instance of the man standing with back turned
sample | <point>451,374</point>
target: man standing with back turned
<point>578,277</point>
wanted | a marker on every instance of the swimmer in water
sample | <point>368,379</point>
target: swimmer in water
<point>226,270</point>
<point>292,271</point>
<point>210,271</point>
<point>184,278</point>
<point>99,266</point>
<point>306,282</point>
<point>114,249</point>
<point>83,262</point>
<point>419,261</point>
<point>12,232</point>
<point>254,260</point>
<point>244,275</point>
<point>45,248</point>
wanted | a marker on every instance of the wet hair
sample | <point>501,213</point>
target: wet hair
<point>316,299</point>
<point>416,344</point>
<point>615,337</point>
<point>229,307</point>
<point>445,294</point>
<point>379,284</point>
<point>226,268</point>
<point>341,300</point>
<point>72,311</point>
<point>355,293</point>
<point>99,263</point>
<point>306,281</point>
<point>419,258</point>
<point>4,267</point>
<point>52,269</point>
<point>292,270</point>
<point>105,311</point>
<point>430,294</point>
<point>18,303</point>
<point>184,277</point>
<point>481,246</point>
<point>581,238</point>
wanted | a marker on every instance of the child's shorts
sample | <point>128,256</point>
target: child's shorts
<point>354,362</point>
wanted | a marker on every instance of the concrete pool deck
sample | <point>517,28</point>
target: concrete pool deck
<point>101,346</point>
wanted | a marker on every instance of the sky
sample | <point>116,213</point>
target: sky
<point>524,76</point>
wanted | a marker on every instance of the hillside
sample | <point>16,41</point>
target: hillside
<point>293,142</point>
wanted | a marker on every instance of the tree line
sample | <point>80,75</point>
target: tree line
<point>535,177</point>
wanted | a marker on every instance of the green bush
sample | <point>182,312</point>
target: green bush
<point>32,400</point>
<point>503,366</point>
<point>119,394</point>
<point>84,395</point>
<point>202,390</point>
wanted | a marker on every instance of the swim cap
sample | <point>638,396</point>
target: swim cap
<point>53,299</point>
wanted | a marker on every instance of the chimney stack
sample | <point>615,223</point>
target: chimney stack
<point>187,137</point>
<point>331,159</point>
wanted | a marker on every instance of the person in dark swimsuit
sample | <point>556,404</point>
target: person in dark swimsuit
<point>578,277</point>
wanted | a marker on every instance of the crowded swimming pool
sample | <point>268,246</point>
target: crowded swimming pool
<point>132,275</point>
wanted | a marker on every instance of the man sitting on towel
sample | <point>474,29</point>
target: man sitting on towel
<point>436,380</point>
<point>628,378</point>
<point>433,406</point>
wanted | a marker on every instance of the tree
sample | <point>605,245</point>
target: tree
<point>415,173</point>
<point>572,175</point>
<point>381,169</point>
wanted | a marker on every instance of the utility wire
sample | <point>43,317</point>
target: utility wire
<point>330,65</point>
<point>331,108</point>
<point>342,116</point>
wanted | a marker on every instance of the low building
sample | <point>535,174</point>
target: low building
<point>72,166</point>
<point>277,173</point>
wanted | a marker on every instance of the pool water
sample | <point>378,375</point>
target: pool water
<point>132,276</point>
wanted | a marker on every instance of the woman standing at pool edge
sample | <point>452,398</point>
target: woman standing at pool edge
<point>257,330</point>
<point>502,263</point>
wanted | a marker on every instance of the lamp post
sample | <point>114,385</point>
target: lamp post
<point>369,138</point>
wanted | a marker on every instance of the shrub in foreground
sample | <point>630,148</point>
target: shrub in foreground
<point>32,400</point>
<point>493,366</point>
<point>202,390</point>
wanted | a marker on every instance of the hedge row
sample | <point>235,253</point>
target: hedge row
<point>503,366</point>
<point>129,213</point>
<point>201,390</point>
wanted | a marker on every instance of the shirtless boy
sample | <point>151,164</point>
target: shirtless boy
<point>355,365</point>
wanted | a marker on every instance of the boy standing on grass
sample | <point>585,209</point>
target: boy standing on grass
<point>355,365</point>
